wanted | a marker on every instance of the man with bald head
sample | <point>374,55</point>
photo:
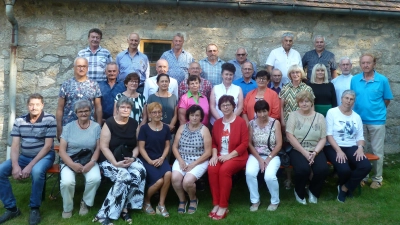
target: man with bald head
<point>151,86</point>
<point>133,61</point>
<point>275,84</point>
<point>211,65</point>
<point>246,83</point>
<point>205,85</point>
<point>241,57</point>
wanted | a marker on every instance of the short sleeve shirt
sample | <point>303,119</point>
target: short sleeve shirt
<point>139,64</point>
<point>311,58</point>
<point>97,62</point>
<point>289,93</point>
<point>138,106</point>
<point>72,91</point>
<point>178,67</point>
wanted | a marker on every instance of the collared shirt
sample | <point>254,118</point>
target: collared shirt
<point>151,86</point>
<point>272,87</point>
<point>370,98</point>
<point>311,58</point>
<point>108,95</point>
<point>288,94</point>
<point>212,72</point>
<point>33,135</point>
<point>187,100</point>
<point>97,62</point>
<point>246,87</point>
<point>178,67</point>
<point>282,61</point>
<point>341,84</point>
<point>205,87</point>
<point>72,90</point>
<point>127,64</point>
<point>238,66</point>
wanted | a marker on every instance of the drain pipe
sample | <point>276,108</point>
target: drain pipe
<point>13,69</point>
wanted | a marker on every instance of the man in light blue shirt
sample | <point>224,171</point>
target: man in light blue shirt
<point>133,61</point>
<point>373,96</point>
<point>178,59</point>
<point>212,65</point>
<point>246,83</point>
<point>241,57</point>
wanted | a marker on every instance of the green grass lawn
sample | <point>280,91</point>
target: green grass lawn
<point>377,207</point>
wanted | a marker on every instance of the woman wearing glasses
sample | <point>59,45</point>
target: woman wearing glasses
<point>262,92</point>
<point>139,112</point>
<point>154,138</point>
<point>230,139</point>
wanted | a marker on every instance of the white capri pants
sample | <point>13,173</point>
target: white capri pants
<point>197,171</point>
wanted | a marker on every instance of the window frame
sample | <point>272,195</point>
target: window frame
<point>155,41</point>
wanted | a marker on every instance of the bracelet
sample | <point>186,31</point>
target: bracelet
<point>362,146</point>
<point>269,156</point>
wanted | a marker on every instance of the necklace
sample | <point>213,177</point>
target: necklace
<point>84,128</point>
<point>164,106</point>
<point>156,127</point>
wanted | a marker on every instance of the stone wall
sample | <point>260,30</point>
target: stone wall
<point>51,33</point>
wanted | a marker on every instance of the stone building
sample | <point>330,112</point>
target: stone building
<point>51,33</point>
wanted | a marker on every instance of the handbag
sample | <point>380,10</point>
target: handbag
<point>285,160</point>
<point>83,157</point>
<point>121,152</point>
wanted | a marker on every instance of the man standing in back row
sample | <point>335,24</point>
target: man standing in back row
<point>373,96</point>
<point>178,59</point>
<point>97,56</point>
<point>343,81</point>
<point>211,65</point>
<point>284,57</point>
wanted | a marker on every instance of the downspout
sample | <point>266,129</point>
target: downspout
<point>13,69</point>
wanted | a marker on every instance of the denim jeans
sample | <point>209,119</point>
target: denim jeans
<point>38,176</point>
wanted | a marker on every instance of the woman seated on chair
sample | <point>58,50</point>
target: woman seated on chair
<point>154,147</point>
<point>346,149</point>
<point>78,136</point>
<point>230,139</point>
<point>124,170</point>
<point>306,132</point>
<point>192,148</point>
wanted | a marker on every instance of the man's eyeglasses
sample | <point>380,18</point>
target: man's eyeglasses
<point>241,54</point>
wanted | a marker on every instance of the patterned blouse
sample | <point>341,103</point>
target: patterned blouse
<point>288,93</point>
<point>138,105</point>
<point>260,136</point>
<point>191,144</point>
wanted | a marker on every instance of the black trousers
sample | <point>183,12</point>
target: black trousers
<point>351,172</point>
<point>302,171</point>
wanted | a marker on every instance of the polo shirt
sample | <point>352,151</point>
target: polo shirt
<point>108,96</point>
<point>238,66</point>
<point>33,135</point>
<point>370,98</point>
<point>97,62</point>
<point>282,61</point>
<point>211,72</point>
<point>246,87</point>
<point>127,64</point>
<point>311,58</point>
<point>187,100</point>
<point>178,67</point>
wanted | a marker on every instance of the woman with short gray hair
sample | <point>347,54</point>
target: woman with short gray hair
<point>77,137</point>
<point>346,149</point>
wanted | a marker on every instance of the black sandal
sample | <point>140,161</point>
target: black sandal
<point>126,217</point>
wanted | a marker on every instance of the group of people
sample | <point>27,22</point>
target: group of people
<point>231,118</point>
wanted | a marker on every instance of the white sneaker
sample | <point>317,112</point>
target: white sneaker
<point>301,201</point>
<point>84,209</point>
<point>312,198</point>
<point>66,215</point>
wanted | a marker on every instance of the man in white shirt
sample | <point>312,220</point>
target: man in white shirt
<point>343,81</point>
<point>283,57</point>
<point>150,85</point>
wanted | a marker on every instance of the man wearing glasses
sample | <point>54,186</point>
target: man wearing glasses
<point>246,83</point>
<point>74,89</point>
<point>211,65</point>
<point>32,155</point>
<point>205,85</point>
<point>241,57</point>
<point>283,57</point>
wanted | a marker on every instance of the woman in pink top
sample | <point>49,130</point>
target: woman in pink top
<point>193,97</point>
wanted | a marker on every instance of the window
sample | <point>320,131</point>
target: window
<point>154,49</point>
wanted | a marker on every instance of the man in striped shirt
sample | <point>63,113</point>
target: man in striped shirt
<point>32,154</point>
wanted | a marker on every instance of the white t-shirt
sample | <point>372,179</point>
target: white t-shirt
<point>151,87</point>
<point>341,84</point>
<point>346,130</point>
<point>219,91</point>
<point>225,137</point>
<point>282,61</point>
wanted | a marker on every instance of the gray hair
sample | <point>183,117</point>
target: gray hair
<point>111,63</point>
<point>287,34</point>
<point>129,35</point>
<point>81,104</point>
<point>179,35</point>
<point>344,58</point>
<point>245,50</point>
<point>276,69</point>
<point>77,58</point>
<point>319,36</point>
<point>349,92</point>
<point>124,100</point>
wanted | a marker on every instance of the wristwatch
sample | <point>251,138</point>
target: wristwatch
<point>269,156</point>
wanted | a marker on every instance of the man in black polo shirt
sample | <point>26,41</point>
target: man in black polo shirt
<point>32,154</point>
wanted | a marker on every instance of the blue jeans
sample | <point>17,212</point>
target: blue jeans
<point>38,175</point>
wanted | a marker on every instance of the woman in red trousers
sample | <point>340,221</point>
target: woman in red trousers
<point>230,140</point>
